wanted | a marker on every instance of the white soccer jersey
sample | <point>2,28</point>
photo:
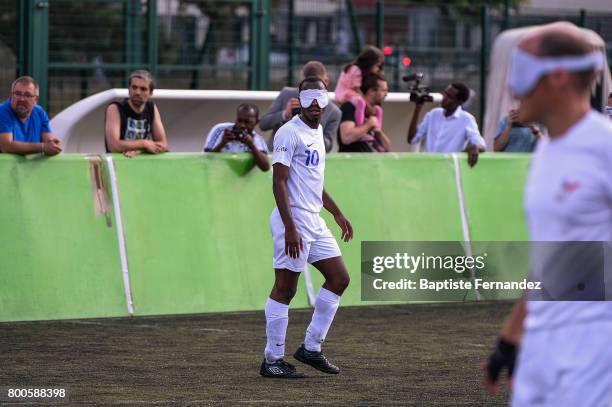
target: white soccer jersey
<point>301,148</point>
<point>568,198</point>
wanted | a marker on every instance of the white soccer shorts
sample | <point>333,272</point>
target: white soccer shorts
<point>318,241</point>
<point>565,367</point>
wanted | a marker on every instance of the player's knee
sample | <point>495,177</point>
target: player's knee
<point>285,292</point>
<point>340,283</point>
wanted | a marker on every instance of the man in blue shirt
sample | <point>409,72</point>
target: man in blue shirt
<point>24,126</point>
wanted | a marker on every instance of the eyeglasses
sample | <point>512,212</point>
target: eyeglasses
<point>22,95</point>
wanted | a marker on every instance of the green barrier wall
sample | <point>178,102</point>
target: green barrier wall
<point>58,259</point>
<point>196,227</point>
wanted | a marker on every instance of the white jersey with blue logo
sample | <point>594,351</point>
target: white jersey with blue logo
<point>302,149</point>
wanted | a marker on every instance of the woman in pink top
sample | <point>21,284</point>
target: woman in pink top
<point>348,88</point>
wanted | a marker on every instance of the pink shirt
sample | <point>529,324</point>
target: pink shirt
<point>347,82</point>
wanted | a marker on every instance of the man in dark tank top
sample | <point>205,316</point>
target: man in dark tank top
<point>134,125</point>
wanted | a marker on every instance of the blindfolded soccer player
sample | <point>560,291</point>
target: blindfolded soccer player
<point>561,342</point>
<point>301,236</point>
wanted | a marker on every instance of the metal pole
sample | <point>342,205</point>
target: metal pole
<point>128,46</point>
<point>506,17</point>
<point>152,37</point>
<point>38,48</point>
<point>291,42</point>
<point>354,28</point>
<point>255,46</point>
<point>484,24</point>
<point>379,23</point>
<point>264,56</point>
<point>582,20</point>
<point>22,32</point>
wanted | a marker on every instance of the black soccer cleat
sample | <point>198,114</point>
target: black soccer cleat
<point>316,360</point>
<point>280,370</point>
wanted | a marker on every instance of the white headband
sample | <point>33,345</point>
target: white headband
<point>527,69</point>
<point>308,95</point>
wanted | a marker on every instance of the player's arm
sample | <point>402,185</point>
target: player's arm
<point>115,144</point>
<point>506,348</point>
<point>293,241</point>
<point>159,133</point>
<point>345,225</point>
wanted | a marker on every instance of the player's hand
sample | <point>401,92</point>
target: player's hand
<point>293,103</point>
<point>345,225</point>
<point>503,356</point>
<point>293,243</point>
<point>472,152</point>
<point>52,147</point>
<point>131,153</point>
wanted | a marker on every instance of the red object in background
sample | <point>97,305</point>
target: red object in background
<point>406,61</point>
<point>387,50</point>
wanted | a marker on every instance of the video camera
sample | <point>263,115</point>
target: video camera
<point>418,93</point>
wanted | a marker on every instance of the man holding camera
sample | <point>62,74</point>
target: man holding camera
<point>448,129</point>
<point>240,137</point>
<point>286,105</point>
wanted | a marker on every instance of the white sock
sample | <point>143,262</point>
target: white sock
<point>277,318</point>
<point>325,308</point>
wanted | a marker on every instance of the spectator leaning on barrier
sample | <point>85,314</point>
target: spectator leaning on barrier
<point>286,105</point>
<point>448,129</point>
<point>240,137</point>
<point>24,126</point>
<point>134,125</point>
<point>512,136</point>
<point>368,137</point>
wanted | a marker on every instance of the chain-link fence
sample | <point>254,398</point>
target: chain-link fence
<point>9,44</point>
<point>215,44</point>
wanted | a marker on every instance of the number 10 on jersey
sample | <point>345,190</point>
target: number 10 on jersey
<point>312,158</point>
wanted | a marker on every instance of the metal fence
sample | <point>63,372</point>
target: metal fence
<point>77,48</point>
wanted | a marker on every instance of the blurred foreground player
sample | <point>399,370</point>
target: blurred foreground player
<point>565,356</point>
<point>301,236</point>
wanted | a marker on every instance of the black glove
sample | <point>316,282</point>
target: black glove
<point>504,355</point>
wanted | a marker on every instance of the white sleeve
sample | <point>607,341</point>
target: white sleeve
<point>284,146</point>
<point>214,136</point>
<point>260,143</point>
<point>422,129</point>
<point>472,134</point>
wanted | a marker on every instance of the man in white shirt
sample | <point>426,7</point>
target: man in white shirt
<point>564,332</point>
<point>449,128</point>
<point>240,137</point>
<point>301,236</point>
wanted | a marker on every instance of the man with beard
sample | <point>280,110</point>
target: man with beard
<point>368,137</point>
<point>24,126</point>
<point>134,124</point>
<point>300,235</point>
